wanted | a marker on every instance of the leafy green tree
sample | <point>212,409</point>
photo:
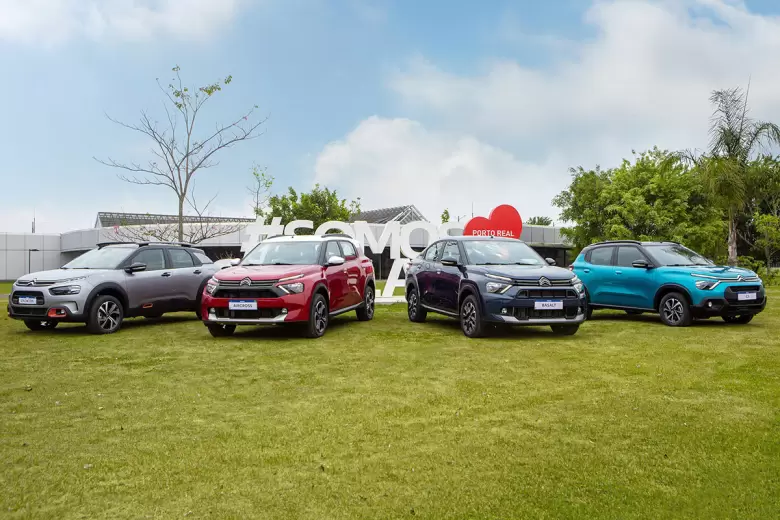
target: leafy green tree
<point>445,216</point>
<point>260,190</point>
<point>180,149</point>
<point>644,200</point>
<point>725,168</point>
<point>320,205</point>
<point>539,221</point>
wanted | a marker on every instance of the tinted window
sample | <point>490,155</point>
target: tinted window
<point>349,250</point>
<point>284,253</point>
<point>332,249</point>
<point>202,257</point>
<point>103,258</point>
<point>628,255</point>
<point>451,250</point>
<point>180,258</point>
<point>153,258</point>
<point>501,252</point>
<point>601,256</point>
<point>675,254</point>
<point>433,251</point>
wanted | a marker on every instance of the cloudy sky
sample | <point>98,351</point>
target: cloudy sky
<point>441,104</point>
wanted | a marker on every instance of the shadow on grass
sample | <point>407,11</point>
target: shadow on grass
<point>501,332</point>
<point>655,319</point>
<point>71,329</point>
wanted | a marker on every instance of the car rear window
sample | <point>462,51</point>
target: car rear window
<point>202,257</point>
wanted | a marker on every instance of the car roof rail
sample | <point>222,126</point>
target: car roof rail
<point>101,245</point>
<point>337,235</point>
<point>637,242</point>
<point>276,236</point>
<point>163,243</point>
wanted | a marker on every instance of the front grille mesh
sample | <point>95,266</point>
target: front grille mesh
<point>244,293</point>
<point>247,314</point>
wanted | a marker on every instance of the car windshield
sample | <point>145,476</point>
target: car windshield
<point>102,258</point>
<point>284,253</point>
<point>676,255</point>
<point>501,252</point>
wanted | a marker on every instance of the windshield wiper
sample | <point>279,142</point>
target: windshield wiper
<point>493,263</point>
<point>680,265</point>
<point>526,263</point>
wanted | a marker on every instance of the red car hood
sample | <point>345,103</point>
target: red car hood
<point>265,272</point>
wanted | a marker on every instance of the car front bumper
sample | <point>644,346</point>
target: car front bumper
<point>514,310</point>
<point>286,309</point>
<point>66,308</point>
<point>726,302</point>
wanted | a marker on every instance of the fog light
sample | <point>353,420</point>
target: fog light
<point>56,313</point>
<point>212,311</point>
<point>284,311</point>
<point>709,304</point>
<point>504,310</point>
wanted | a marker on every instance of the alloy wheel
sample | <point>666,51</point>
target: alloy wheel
<point>469,317</point>
<point>320,316</point>
<point>413,304</point>
<point>108,316</point>
<point>370,303</point>
<point>673,310</point>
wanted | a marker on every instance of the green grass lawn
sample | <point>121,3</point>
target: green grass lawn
<point>5,287</point>
<point>389,419</point>
<point>380,285</point>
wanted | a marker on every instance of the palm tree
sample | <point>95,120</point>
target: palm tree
<point>735,139</point>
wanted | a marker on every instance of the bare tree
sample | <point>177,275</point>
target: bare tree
<point>260,190</point>
<point>196,228</point>
<point>178,151</point>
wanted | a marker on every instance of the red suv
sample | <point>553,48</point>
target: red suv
<point>291,279</point>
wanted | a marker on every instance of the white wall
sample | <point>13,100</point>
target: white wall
<point>15,251</point>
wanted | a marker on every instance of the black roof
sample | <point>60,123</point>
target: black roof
<point>403,214</point>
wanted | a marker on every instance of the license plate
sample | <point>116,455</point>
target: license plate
<point>747,296</point>
<point>548,305</point>
<point>242,305</point>
<point>28,300</point>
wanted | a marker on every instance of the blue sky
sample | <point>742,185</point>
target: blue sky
<point>436,103</point>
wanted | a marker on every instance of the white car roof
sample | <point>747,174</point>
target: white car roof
<point>311,238</point>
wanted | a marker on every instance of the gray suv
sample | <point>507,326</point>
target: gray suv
<point>112,282</point>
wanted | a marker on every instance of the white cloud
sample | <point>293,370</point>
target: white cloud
<point>49,22</point>
<point>643,79</point>
<point>391,162</point>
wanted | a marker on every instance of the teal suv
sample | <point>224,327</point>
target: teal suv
<point>667,278</point>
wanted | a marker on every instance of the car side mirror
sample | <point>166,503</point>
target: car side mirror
<point>550,261</point>
<point>235,262</point>
<point>449,262</point>
<point>135,267</point>
<point>335,260</point>
<point>641,264</point>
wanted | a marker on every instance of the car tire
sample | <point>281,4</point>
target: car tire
<point>366,311</point>
<point>220,330</point>
<point>417,313</point>
<point>318,317</point>
<point>674,310</point>
<point>565,330</point>
<point>634,312</point>
<point>471,317</point>
<point>742,319</point>
<point>105,315</point>
<point>37,325</point>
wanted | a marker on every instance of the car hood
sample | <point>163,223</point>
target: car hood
<point>720,271</point>
<point>62,275</point>
<point>525,272</point>
<point>265,272</point>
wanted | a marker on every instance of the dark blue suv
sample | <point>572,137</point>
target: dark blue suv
<point>498,280</point>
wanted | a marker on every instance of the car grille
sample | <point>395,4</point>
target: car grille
<point>244,293</point>
<point>546,293</point>
<point>246,314</point>
<point>526,313</point>
<point>28,311</point>
<point>742,288</point>
<point>37,294</point>
<point>253,283</point>
<point>534,282</point>
<point>34,283</point>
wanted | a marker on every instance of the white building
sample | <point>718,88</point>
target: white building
<point>22,253</point>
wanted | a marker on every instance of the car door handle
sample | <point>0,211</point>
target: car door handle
<point>196,271</point>
<point>586,270</point>
<point>166,274</point>
<point>438,272</point>
<point>618,272</point>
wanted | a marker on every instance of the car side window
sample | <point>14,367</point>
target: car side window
<point>153,258</point>
<point>180,259</point>
<point>451,250</point>
<point>627,255</point>
<point>332,249</point>
<point>433,251</point>
<point>601,256</point>
<point>202,258</point>
<point>349,250</point>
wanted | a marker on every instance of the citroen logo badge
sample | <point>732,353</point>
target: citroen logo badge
<point>246,282</point>
<point>544,282</point>
<point>740,278</point>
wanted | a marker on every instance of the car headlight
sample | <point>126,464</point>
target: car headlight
<point>706,285</point>
<point>496,287</point>
<point>292,288</point>
<point>211,286</point>
<point>65,290</point>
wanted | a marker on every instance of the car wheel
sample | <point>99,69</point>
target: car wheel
<point>105,315</point>
<point>674,310</point>
<point>416,311</point>
<point>220,330</point>
<point>742,319</point>
<point>634,312</point>
<point>41,325</point>
<point>565,330</point>
<point>471,317</point>
<point>366,312</point>
<point>318,317</point>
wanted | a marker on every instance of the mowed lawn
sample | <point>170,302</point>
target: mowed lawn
<point>388,419</point>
